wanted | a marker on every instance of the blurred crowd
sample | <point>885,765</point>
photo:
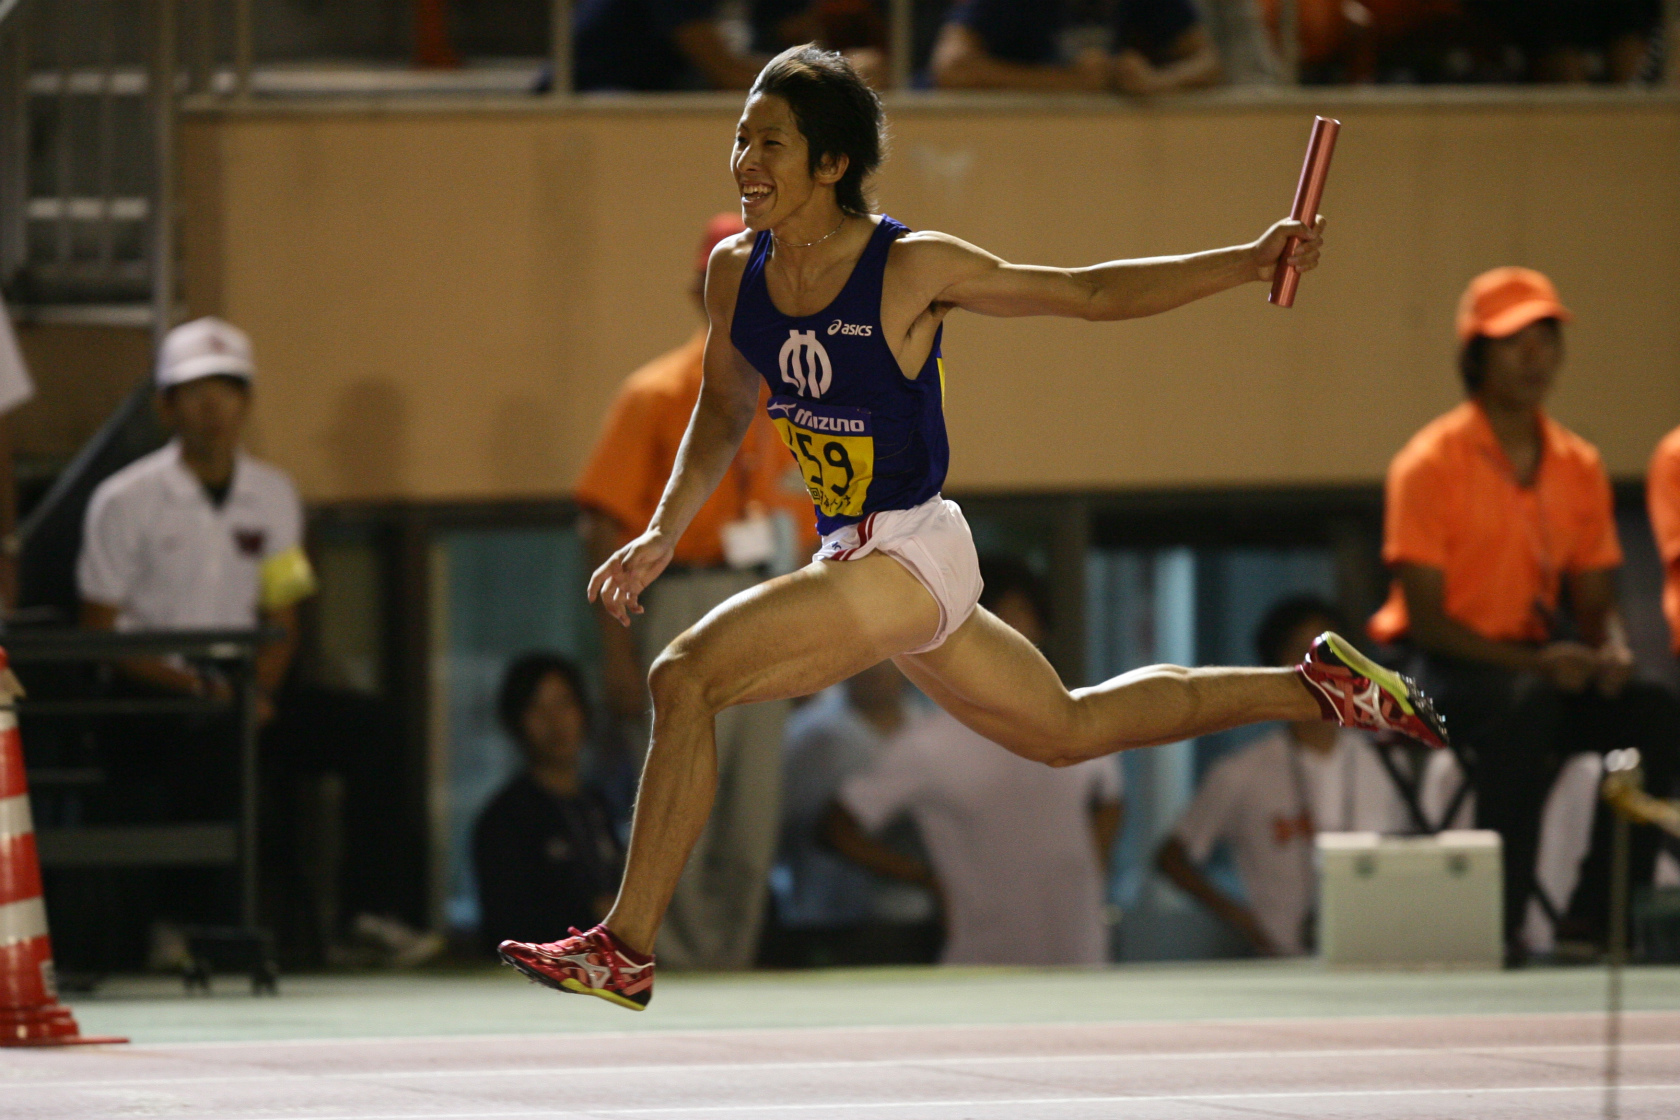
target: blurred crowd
<point>1128,47</point>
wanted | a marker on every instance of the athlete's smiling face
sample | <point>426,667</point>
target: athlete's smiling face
<point>772,166</point>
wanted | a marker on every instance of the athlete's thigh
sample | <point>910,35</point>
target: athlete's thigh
<point>997,683</point>
<point>799,633</point>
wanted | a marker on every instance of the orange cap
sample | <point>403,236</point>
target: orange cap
<point>1503,301</point>
<point>720,227</point>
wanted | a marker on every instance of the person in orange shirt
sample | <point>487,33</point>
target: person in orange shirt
<point>1496,516</point>
<point>1662,500</point>
<point>758,522</point>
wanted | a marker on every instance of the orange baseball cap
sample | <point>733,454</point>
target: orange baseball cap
<point>1503,301</point>
<point>720,227</point>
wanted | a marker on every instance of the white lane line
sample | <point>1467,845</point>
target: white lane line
<point>1514,1050</point>
<point>562,1037</point>
<point>270,1112</point>
<point>1023,1102</point>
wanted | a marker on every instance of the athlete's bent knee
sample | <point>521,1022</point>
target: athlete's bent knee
<point>675,681</point>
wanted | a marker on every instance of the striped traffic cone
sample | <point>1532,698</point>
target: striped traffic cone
<point>30,1014</point>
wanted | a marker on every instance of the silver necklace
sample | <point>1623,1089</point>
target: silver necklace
<point>819,240</point>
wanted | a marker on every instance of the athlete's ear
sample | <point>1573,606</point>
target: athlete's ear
<point>831,168</point>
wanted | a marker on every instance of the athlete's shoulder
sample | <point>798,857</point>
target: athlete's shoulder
<point>724,270</point>
<point>730,255</point>
<point>935,259</point>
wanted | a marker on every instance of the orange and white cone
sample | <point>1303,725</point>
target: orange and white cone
<point>30,1014</point>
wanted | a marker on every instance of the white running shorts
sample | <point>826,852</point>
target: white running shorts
<point>933,541</point>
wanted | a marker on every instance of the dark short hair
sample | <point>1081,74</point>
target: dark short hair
<point>1006,575</point>
<point>519,686</point>
<point>1285,617</point>
<point>837,113</point>
<point>1472,357</point>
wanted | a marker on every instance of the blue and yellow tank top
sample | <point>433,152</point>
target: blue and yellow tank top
<point>865,436</point>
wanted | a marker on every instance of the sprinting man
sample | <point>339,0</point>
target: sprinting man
<point>841,311</point>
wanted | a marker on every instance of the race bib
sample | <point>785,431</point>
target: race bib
<point>835,449</point>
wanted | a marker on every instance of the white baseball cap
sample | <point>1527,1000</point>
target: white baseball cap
<point>203,348</point>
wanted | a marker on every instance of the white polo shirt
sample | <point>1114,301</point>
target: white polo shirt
<point>157,549</point>
<point>1256,800</point>
<point>1010,841</point>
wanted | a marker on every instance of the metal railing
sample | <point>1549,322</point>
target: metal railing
<point>86,134</point>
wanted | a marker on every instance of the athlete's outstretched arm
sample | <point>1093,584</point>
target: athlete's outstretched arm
<point>728,396</point>
<point>957,274</point>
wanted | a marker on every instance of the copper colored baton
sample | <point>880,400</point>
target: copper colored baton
<point>1308,193</point>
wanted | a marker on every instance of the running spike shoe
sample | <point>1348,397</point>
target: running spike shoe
<point>1355,691</point>
<point>592,963</point>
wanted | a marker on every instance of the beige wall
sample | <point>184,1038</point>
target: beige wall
<point>443,301</point>
<point>81,375</point>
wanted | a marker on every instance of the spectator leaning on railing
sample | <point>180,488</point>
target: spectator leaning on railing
<point>198,535</point>
<point>1152,46</point>
<point>1493,510</point>
<point>1269,800</point>
<point>1019,852</point>
<point>842,731</point>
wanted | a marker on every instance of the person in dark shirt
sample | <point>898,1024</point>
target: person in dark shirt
<point>1155,46</point>
<point>653,45</point>
<point>544,847</point>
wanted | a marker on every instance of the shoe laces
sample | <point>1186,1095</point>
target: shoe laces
<point>598,946</point>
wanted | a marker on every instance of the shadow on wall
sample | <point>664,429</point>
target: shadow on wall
<point>367,439</point>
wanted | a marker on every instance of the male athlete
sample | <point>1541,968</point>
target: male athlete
<point>841,310</point>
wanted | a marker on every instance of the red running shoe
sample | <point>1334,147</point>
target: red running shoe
<point>590,964</point>
<point>1355,691</point>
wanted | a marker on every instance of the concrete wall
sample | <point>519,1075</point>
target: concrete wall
<point>444,299</point>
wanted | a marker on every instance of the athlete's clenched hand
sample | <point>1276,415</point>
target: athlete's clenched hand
<point>1269,249</point>
<point>618,584</point>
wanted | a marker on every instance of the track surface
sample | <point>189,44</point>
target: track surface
<point>1463,1067</point>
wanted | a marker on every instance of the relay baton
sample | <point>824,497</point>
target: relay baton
<point>1308,192</point>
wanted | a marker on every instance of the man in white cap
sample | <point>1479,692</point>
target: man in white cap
<point>198,535</point>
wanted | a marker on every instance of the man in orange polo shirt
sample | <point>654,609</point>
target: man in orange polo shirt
<point>1662,499</point>
<point>759,520</point>
<point>1497,514</point>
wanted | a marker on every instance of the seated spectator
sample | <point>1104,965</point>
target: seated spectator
<point>1019,852</point>
<point>1493,512</point>
<point>1662,501</point>
<point>1559,38</point>
<point>855,28</point>
<point>654,45</point>
<point>843,731</point>
<point>198,535</point>
<point>1269,799</point>
<point>1152,47</point>
<point>544,849</point>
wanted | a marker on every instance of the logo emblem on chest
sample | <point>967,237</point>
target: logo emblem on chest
<point>805,363</point>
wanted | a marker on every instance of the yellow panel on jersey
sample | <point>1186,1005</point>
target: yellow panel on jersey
<point>835,449</point>
<point>287,578</point>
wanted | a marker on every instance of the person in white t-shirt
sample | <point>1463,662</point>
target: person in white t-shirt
<point>1269,799</point>
<point>1019,852</point>
<point>198,535</point>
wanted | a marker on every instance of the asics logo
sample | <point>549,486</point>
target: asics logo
<point>867,330</point>
<point>805,363</point>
